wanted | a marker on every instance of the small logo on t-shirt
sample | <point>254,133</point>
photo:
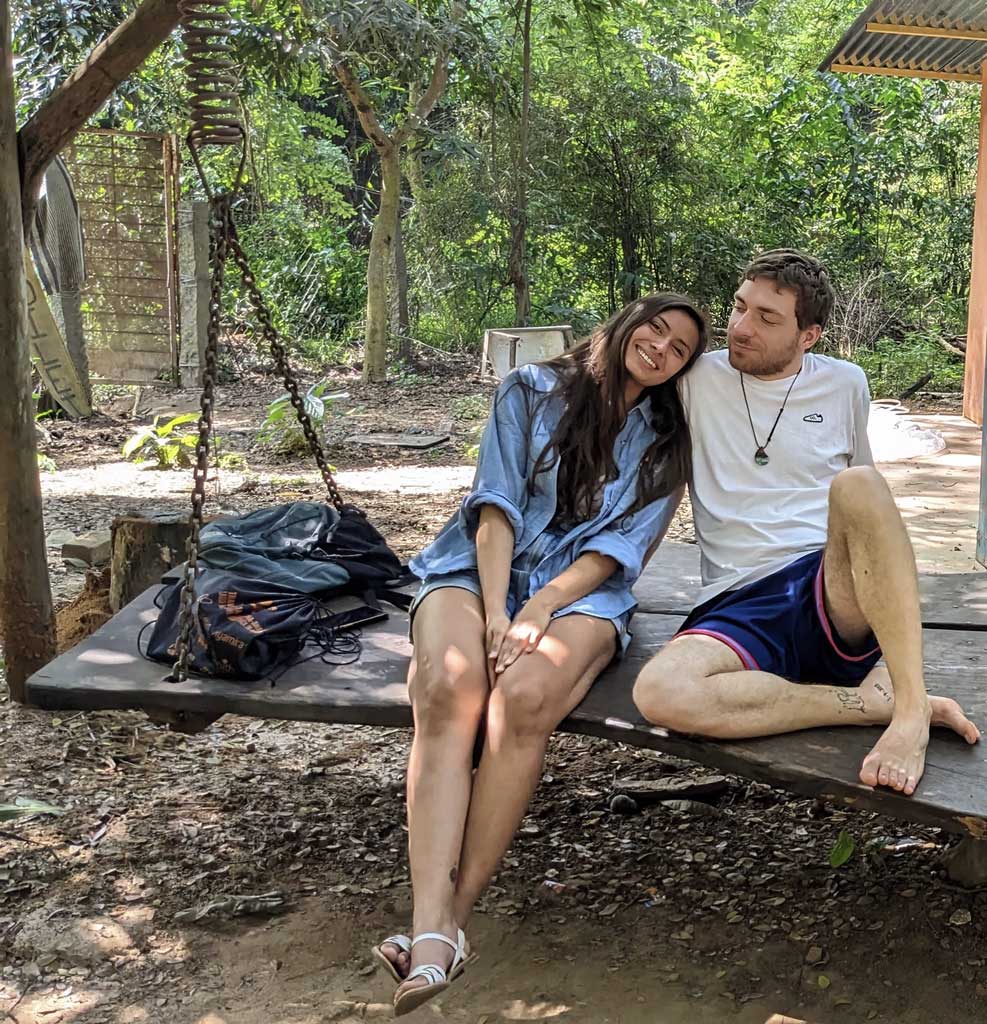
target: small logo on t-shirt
<point>813,417</point>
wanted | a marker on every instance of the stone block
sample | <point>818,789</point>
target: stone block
<point>91,548</point>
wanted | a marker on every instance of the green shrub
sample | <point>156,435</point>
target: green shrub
<point>281,430</point>
<point>162,445</point>
<point>892,366</point>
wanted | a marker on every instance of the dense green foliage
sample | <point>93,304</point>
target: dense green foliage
<point>668,141</point>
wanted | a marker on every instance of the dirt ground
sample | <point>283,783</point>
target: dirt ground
<point>241,875</point>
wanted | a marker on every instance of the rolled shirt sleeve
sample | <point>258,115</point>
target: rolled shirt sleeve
<point>628,539</point>
<point>502,466</point>
<point>861,454</point>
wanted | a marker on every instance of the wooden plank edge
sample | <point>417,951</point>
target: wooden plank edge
<point>724,756</point>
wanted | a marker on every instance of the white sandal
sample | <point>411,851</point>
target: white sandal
<point>438,978</point>
<point>403,943</point>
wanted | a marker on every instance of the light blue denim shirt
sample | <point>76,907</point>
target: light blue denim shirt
<point>520,426</point>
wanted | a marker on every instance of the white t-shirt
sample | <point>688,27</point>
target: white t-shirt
<point>752,520</point>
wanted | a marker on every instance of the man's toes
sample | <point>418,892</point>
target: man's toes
<point>868,770</point>
<point>970,732</point>
<point>884,775</point>
<point>910,785</point>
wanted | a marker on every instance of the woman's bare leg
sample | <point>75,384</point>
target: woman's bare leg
<point>447,683</point>
<point>526,704</point>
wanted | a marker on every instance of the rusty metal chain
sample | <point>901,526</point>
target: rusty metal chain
<point>215,122</point>
<point>284,368</point>
<point>219,239</point>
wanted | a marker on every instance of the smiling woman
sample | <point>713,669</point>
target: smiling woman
<point>526,597</point>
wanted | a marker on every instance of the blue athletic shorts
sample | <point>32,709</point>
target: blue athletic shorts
<point>779,625</point>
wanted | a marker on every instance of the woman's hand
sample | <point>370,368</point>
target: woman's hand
<point>524,633</point>
<point>497,627</point>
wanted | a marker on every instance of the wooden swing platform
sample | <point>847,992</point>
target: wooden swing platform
<point>107,672</point>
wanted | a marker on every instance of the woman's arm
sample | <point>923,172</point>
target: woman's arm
<point>581,578</point>
<point>624,547</point>
<point>494,553</point>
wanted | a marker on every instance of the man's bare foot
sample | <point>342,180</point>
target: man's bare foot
<point>898,757</point>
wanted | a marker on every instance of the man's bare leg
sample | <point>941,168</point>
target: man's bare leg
<point>870,585</point>
<point>697,684</point>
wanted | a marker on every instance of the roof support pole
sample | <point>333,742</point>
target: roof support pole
<point>976,334</point>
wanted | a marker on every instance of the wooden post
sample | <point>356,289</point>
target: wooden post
<point>976,333</point>
<point>26,625</point>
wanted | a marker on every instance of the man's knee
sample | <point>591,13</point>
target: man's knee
<point>858,492</point>
<point>668,696</point>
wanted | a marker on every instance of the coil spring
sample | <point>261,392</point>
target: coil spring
<point>210,73</point>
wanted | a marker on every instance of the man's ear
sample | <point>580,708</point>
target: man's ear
<point>810,336</point>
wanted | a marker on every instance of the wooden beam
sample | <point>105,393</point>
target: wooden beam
<point>69,107</point>
<point>976,333</point>
<point>864,69</point>
<point>26,625</point>
<point>929,31</point>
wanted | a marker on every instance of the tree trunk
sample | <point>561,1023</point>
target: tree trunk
<point>26,621</point>
<point>630,264</point>
<point>144,549</point>
<point>400,319</point>
<point>518,263</point>
<point>378,264</point>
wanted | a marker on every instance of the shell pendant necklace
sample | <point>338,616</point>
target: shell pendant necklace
<point>760,450</point>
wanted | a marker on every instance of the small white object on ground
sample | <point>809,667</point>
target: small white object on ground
<point>894,436</point>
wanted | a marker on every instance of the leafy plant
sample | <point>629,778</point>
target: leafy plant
<point>46,464</point>
<point>162,444</point>
<point>281,429</point>
<point>470,407</point>
<point>842,849</point>
<point>22,806</point>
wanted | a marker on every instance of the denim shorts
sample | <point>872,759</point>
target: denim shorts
<point>779,625</point>
<point>519,590</point>
<point>469,579</point>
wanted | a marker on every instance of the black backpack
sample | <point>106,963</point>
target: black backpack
<point>268,596</point>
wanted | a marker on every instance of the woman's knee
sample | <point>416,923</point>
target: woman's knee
<point>444,694</point>
<point>524,704</point>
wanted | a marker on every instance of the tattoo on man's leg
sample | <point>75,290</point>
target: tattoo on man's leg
<point>454,875</point>
<point>850,700</point>
<point>884,692</point>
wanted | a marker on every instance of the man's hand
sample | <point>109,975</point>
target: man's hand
<point>524,633</point>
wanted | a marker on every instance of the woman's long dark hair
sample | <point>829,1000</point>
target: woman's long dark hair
<point>591,384</point>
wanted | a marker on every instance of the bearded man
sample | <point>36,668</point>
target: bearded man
<point>808,573</point>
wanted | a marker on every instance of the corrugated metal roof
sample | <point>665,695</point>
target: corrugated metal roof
<point>864,50</point>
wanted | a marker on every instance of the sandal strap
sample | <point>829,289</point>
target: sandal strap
<point>432,973</point>
<point>439,937</point>
<point>401,941</point>
<point>458,947</point>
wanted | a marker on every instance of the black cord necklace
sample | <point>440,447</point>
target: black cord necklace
<point>760,453</point>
